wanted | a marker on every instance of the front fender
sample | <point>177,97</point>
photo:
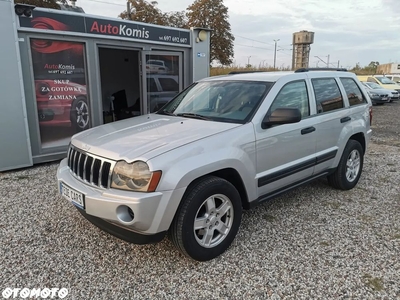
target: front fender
<point>196,161</point>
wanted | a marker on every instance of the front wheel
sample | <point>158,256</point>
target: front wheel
<point>208,219</point>
<point>350,167</point>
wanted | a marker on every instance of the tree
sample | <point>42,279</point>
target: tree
<point>373,64</point>
<point>176,19</point>
<point>142,11</point>
<point>42,3</point>
<point>213,14</point>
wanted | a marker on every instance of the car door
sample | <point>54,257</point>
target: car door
<point>333,121</point>
<point>286,153</point>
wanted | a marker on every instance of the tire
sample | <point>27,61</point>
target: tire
<point>80,114</point>
<point>346,176</point>
<point>207,241</point>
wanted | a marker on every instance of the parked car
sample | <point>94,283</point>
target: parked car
<point>395,78</point>
<point>161,89</point>
<point>383,81</point>
<point>376,93</point>
<point>222,145</point>
<point>156,66</point>
<point>62,103</point>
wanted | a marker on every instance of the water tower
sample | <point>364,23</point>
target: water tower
<point>301,48</point>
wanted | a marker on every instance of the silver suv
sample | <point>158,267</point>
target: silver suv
<point>222,145</point>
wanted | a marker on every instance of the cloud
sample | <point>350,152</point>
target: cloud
<point>349,31</point>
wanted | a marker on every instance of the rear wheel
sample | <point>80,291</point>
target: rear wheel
<point>350,167</point>
<point>208,219</point>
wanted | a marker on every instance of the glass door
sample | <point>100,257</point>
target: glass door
<point>61,90</point>
<point>162,75</point>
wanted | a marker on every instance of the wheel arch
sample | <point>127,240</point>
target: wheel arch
<point>359,137</point>
<point>229,174</point>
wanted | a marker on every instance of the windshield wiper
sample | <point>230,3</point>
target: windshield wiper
<point>194,116</point>
<point>164,112</point>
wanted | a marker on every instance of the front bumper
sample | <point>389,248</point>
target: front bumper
<point>122,233</point>
<point>153,212</point>
<point>379,100</point>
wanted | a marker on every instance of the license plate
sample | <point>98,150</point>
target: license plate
<point>75,197</point>
<point>384,98</point>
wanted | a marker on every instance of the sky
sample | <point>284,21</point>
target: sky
<point>348,31</point>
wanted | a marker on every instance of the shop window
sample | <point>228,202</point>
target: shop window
<point>169,84</point>
<point>162,80</point>
<point>152,85</point>
<point>61,90</point>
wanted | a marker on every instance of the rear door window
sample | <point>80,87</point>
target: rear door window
<point>327,94</point>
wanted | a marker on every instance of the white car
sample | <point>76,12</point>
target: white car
<point>156,66</point>
<point>395,78</point>
<point>222,145</point>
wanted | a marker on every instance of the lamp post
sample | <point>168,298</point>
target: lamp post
<point>248,61</point>
<point>276,41</point>
<point>263,63</point>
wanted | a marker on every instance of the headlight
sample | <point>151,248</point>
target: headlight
<point>373,95</point>
<point>135,177</point>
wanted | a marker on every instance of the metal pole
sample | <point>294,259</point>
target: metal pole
<point>338,63</point>
<point>327,64</point>
<point>128,9</point>
<point>275,52</point>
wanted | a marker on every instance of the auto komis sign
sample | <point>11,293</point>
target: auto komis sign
<point>122,30</point>
<point>80,23</point>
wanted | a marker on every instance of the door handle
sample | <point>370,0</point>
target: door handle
<point>307,130</point>
<point>345,119</point>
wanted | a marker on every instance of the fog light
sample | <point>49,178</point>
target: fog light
<point>125,214</point>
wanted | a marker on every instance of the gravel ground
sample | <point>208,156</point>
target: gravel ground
<point>312,243</point>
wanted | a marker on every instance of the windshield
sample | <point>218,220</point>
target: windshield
<point>373,85</point>
<point>385,80</point>
<point>224,101</point>
<point>155,62</point>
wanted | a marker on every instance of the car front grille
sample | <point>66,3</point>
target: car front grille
<point>90,168</point>
<point>384,96</point>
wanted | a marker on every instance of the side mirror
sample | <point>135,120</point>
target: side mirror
<point>281,116</point>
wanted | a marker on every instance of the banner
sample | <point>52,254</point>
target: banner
<point>60,87</point>
<point>44,20</point>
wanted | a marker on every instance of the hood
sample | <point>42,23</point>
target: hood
<point>145,136</point>
<point>380,91</point>
<point>391,86</point>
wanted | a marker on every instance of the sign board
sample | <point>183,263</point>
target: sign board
<point>44,20</point>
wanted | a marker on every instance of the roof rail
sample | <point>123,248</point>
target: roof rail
<point>244,72</point>
<point>320,69</point>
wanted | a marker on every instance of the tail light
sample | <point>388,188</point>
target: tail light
<point>370,115</point>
